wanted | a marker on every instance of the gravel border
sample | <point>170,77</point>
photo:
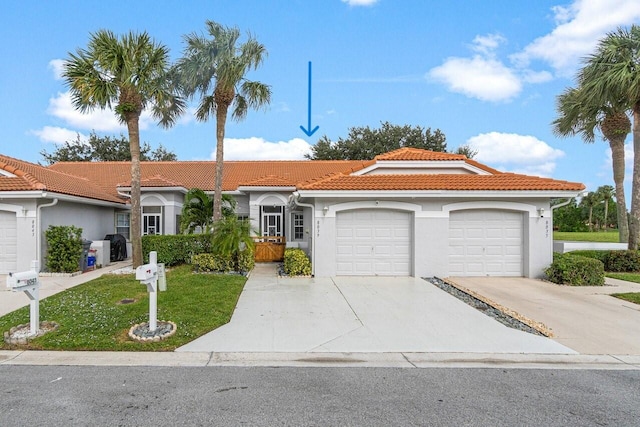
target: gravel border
<point>486,308</point>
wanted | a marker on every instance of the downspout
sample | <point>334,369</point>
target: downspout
<point>553,208</point>
<point>295,199</point>
<point>39,227</point>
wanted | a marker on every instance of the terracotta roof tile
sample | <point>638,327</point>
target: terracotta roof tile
<point>410,153</point>
<point>33,177</point>
<point>269,181</point>
<point>500,182</point>
<point>153,181</point>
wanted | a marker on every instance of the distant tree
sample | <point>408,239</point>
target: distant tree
<point>605,194</point>
<point>589,201</point>
<point>104,149</point>
<point>466,150</point>
<point>364,143</point>
<point>215,68</point>
<point>569,217</point>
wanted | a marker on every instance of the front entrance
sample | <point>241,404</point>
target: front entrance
<point>270,247</point>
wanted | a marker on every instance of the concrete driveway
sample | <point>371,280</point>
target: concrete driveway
<point>355,314</point>
<point>584,318</point>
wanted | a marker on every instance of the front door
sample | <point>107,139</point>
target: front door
<point>272,217</point>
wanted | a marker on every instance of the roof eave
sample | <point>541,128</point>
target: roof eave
<point>440,193</point>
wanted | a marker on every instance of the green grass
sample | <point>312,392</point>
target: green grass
<point>596,236</point>
<point>629,277</point>
<point>91,317</point>
<point>631,297</point>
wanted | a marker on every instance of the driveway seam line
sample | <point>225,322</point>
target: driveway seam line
<point>408,361</point>
<point>347,301</point>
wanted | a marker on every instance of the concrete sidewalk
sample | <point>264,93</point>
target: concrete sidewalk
<point>360,315</point>
<point>50,285</point>
<point>584,318</point>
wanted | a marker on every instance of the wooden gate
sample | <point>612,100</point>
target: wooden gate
<point>269,248</point>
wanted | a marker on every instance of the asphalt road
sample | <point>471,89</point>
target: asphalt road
<point>153,396</point>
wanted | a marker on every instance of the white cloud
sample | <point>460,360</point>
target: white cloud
<point>256,148</point>
<point>62,108</point>
<point>482,78</point>
<point>56,66</point>
<point>486,45</point>
<point>57,135</point>
<point>516,153</point>
<point>579,27</point>
<point>360,2</point>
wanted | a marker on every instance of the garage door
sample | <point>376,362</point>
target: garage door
<point>8,242</point>
<point>485,243</point>
<point>373,242</point>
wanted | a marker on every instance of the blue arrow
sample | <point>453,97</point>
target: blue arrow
<point>310,131</point>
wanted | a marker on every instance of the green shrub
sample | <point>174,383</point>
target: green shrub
<point>622,261</point>
<point>296,262</point>
<point>600,255</point>
<point>242,262</point>
<point>575,270</point>
<point>176,249</point>
<point>64,248</point>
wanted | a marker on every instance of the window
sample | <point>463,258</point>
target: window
<point>151,220</point>
<point>297,220</point>
<point>123,225</point>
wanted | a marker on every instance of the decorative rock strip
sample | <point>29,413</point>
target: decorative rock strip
<point>140,332</point>
<point>502,314</point>
<point>19,335</point>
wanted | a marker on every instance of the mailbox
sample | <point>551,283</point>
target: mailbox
<point>147,273</point>
<point>23,280</point>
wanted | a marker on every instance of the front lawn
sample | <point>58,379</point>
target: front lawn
<point>92,316</point>
<point>629,277</point>
<point>595,236</point>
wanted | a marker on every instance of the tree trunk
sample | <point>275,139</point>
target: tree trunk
<point>634,226</point>
<point>221,119</point>
<point>617,155</point>
<point>136,213</point>
<point>590,217</point>
<point>606,214</point>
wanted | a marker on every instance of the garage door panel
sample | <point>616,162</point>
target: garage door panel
<point>485,242</point>
<point>8,242</point>
<point>380,242</point>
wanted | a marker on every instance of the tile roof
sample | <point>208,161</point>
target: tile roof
<point>410,153</point>
<point>500,182</point>
<point>308,175</point>
<point>33,177</point>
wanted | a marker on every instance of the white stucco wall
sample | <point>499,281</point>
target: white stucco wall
<point>431,231</point>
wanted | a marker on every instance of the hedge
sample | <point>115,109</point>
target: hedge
<point>243,263</point>
<point>619,261</point>
<point>575,270</point>
<point>64,248</point>
<point>176,249</point>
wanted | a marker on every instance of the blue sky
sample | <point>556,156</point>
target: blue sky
<point>485,73</point>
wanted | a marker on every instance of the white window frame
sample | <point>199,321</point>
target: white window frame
<point>126,224</point>
<point>272,221</point>
<point>297,225</point>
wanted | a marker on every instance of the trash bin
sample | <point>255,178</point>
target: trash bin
<point>91,259</point>
<point>118,246</point>
<point>84,258</point>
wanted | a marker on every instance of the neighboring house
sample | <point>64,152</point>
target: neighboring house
<point>408,212</point>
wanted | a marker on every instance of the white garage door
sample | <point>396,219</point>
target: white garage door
<point>372,242</point>
<point>8,242</point>
<point>485,243</point>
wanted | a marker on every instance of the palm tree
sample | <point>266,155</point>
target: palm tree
<point>589,201</point>
<point>197,211</point>
<point>577,116</point>
<point>612,74</point>
<point>130,73</point>
<point>216,68</point>
<point>605,193</point>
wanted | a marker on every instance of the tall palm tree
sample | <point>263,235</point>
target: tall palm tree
<point>577,116</point>
<point>612,74</point>
<point>589,201</point>
<point>216,68</point>
<point>130,74</point>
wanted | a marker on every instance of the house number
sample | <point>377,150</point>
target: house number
<point>546,226</point>
<point>318,228</point>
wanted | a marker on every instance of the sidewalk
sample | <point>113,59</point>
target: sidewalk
<point>50,285</point>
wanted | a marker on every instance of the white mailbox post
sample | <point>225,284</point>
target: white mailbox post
<point>27,282</point>
<point>147,274</point>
